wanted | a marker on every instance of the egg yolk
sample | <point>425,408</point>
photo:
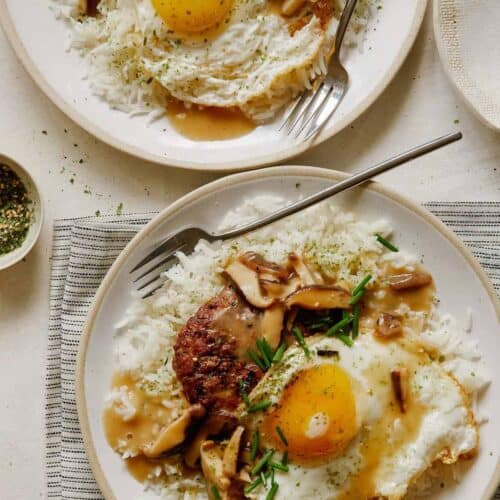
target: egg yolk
<point>192,16</point>
<point>317,414</point>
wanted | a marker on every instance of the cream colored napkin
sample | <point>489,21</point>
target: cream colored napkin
<point>468,38</point>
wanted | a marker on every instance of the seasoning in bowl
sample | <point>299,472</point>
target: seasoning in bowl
<point>16,213</point>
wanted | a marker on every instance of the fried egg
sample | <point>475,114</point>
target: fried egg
<point>233,53</point>
<point>347,436</point>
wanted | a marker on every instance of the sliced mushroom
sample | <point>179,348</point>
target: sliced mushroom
<point>262,266</point>
<point>231,453</point>
<point>271,325</point>
<point>388,326</point>
<point>306,276</point>
<point>319,297</point>
<point>415,279</point>
<point>399,378</point>
<point>247,281</point>
<point>279,290</point>
<point>212,465</point>
<point>290,7</point>
<point>214,425</point>
<point>91,7</point>
<point>174,434</point>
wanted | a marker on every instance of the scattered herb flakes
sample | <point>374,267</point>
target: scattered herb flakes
<point>15,210</point>
<point>44,132</point>
<point>97,213</point>
<point>456,121</point>
<point>119,209</point>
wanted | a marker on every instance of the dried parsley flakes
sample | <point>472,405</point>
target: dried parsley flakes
<point>15,210</point>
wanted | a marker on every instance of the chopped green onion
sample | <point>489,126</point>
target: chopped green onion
<point>244,394</point>
<point>362,284</point>
<point>263,354</point>
<point>254,446</point>
<point>284,458</point>
<point>252,486</point>
<point>263,479</point>
<point>355,322</point>
<point>387,244</point>
<point>215,492</point>
<point>267,348</point>
<point>337,327</point>
<point>255,358</point>
<point>356,298</point>
<point>300,339</point>
<point>272,491</point>
<point>262,462</point>
<point>278,466</point>
<point>278,355</point>
<point>263,405</point>
<point>346,339</point>
<point>271,474</point>
<point>281,434</point>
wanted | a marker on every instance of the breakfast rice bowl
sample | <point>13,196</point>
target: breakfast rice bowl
<point>337,243</point>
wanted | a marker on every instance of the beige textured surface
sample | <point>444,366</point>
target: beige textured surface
<point>468,37</point>
<point>418,105</point>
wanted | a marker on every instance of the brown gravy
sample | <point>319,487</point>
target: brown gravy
<point>382,442</point>
<point>151,416</point>
<point>242,324</point>
<point>208,123</point>
<point>417,299</point>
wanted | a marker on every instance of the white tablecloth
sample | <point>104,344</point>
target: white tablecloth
<point>418,105</point>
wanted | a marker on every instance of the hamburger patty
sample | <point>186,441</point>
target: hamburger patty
<point>210,352</point>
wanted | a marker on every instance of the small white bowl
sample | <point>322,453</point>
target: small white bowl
<point>11,258</point>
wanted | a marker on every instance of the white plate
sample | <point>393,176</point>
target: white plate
<point>460,283</point>
<point>40,40</point>
<point>467,38</point>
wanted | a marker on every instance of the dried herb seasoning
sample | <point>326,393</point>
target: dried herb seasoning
<point>16,212</point>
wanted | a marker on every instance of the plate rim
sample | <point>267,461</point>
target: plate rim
<point>451,74</point>
<point>220,184</point>
<point>223,166</point>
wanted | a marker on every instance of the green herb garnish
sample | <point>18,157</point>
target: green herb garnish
<point>387,244</point>
<point>284,458</point>
<point>355,322</point>
<point>356,298</point>
<point>215,492</point>
<point>254,446</point>
<point>256,359</point>
<point>278,466</point>
<point>262,462</point>
<point>278,355</point>
<point>263,354</point>
<point>300,339</point>
<point>335,329</point>
<point>262,406</point>
<point>244,394</point>
<point>272,491</point>
<point>346,339</point>
<point>362,284</point>
<point>281,434</point>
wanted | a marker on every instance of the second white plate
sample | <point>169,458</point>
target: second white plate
<point>460,284</point>
<point>40,40</point>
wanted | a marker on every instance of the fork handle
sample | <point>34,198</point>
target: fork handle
<point>348,183</point>
<point>343,23</point>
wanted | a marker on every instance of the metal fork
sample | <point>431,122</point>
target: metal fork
<point>163,256</point>
<point>315,106</point>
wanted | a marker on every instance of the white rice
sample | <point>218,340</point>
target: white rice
<point>344,247</point>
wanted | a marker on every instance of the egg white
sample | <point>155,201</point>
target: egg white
<point>446,430</point>
<point>253,63</point>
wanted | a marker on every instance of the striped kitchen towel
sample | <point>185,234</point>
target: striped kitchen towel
<point>84,249</point>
